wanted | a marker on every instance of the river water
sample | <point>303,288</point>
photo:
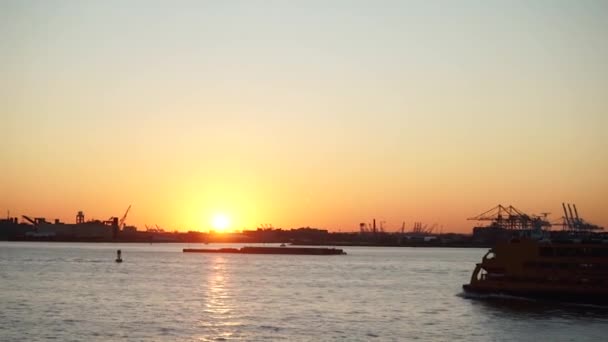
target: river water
<point>76,292</point>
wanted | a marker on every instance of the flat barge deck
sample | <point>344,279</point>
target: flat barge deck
<point>270,250</point>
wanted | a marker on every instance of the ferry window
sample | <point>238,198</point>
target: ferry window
<point>490,255</point>
<point>546,251</point>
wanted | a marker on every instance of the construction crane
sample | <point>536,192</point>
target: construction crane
<point>566,218</point>
<point>575,212</point>
<point>422,229</point>
<point>511,218</point>
<point>30,220</point>
<point>121,223</point>
<point>576,223</point>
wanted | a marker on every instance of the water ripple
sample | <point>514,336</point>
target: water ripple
<point>76,292</point>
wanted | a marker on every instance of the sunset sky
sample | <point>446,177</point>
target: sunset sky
<point>303,113</point>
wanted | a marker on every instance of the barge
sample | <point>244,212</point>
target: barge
<point>270,250</point>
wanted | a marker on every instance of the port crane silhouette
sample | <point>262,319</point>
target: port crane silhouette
<point>121,222</point>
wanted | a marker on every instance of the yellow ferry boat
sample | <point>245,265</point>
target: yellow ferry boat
<point>568,265</point>
<point>566,270</point>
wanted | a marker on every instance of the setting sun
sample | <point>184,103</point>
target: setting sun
<point>220,222</point>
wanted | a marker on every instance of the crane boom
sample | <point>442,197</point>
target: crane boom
<point>572,216</point>
<point>566,216</point>
<point>576,212</point>
<point>29,219</point>
<point>124,217</point>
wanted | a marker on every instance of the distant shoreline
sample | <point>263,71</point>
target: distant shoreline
<point>336,243</point>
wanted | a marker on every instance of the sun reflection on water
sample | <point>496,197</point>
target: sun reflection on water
<point>218,317</point>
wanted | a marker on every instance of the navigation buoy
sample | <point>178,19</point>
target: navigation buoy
<point>118,257</point>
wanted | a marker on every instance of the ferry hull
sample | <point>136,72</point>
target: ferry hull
<point>596,296</point>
